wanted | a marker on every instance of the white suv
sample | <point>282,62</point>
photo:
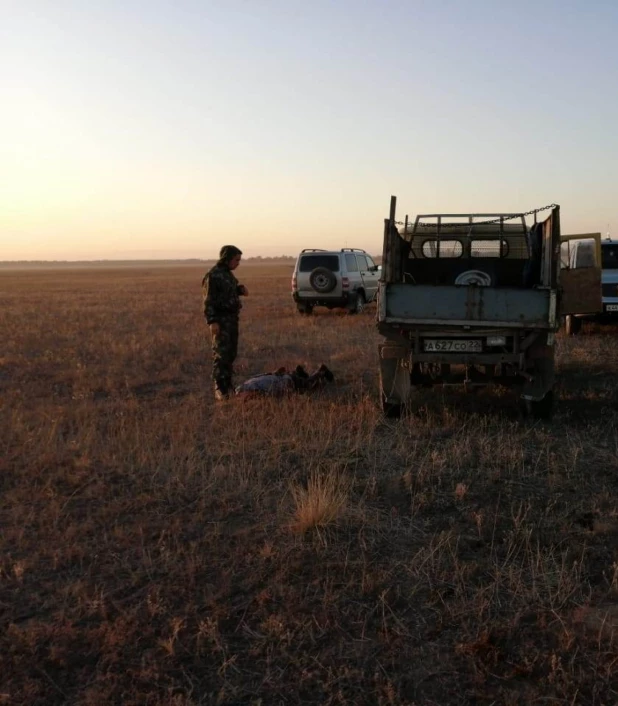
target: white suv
<point>345,278</point>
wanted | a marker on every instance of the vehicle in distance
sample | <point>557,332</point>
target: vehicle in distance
<point>476,299</point>
<point>346,278</point>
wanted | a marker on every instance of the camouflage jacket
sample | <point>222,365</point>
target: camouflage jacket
<point>221,294</point>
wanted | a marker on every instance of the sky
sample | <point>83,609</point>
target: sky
<point>151,129</point>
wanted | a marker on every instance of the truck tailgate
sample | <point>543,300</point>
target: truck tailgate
<point>466,306</point>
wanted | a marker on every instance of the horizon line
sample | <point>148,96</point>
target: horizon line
<point>144,259</point>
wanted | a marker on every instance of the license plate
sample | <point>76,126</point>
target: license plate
<point>452,345</point>
<point>611,307</point>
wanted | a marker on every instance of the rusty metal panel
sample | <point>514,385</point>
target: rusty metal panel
<point>546,263</point>
<point>386,254</point>
<point>467,359</point>
<point>392,249</point>
<point>472,306</point>
<point>581,289</point>
<point>555,247</point>
<point>389,351</point>
<point>381,314</point>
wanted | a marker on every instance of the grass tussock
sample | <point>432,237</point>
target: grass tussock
<point>463,555</point>
<point>322,501</point>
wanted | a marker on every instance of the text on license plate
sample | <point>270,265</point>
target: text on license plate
<point>611,307</point>
<point>453,345</point>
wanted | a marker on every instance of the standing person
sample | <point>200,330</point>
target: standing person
<point>222,307</point>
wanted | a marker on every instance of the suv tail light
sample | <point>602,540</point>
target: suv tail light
<point>345,283</point>
<point>294,283</point>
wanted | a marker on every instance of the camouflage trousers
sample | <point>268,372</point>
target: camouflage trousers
<point>224,351</point>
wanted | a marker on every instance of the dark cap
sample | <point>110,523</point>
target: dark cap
<point>228,252</point>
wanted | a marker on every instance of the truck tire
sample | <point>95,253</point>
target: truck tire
<point>543,371</point>
<point>542,409</point>
<point>322,280</point>
<point>392,410</point>
<point>572,325</point>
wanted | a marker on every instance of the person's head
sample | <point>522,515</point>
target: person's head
<point>230,255</point>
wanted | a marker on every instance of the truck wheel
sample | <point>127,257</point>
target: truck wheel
<point>541,387</point>
<point>541,409</point>
<point>305,309</point>
<point>391,410</point>
<point>572,325</point>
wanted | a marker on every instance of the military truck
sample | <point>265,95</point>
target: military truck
<point>476,299</point>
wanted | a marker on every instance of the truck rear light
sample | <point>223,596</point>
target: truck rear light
<point>294,283</point>
<point>345,283</point>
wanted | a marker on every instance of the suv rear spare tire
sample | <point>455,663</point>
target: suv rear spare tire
<point>322,280</point>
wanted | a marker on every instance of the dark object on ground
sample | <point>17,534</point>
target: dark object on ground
<point>282,382</point>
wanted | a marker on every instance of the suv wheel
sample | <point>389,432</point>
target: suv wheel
<point>305,309</point>
<point>359,303</point>
<point>322,280</point>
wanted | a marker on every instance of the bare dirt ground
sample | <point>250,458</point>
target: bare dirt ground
<point>159,549</point>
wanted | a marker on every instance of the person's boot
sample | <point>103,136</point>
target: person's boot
<point>222,391</point>
<point>326,373</point>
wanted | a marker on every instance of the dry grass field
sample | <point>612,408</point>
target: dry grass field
<point>160,549</point>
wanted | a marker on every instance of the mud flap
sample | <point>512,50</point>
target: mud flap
<point>394,374</point>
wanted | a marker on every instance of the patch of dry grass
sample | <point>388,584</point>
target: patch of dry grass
<point>462,555</point>
<point>320,502</point>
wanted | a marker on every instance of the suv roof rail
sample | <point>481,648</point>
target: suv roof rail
<point>314,250</point>
<point>352,250</point>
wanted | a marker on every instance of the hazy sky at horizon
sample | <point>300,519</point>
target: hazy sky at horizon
<point>160,129</point>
